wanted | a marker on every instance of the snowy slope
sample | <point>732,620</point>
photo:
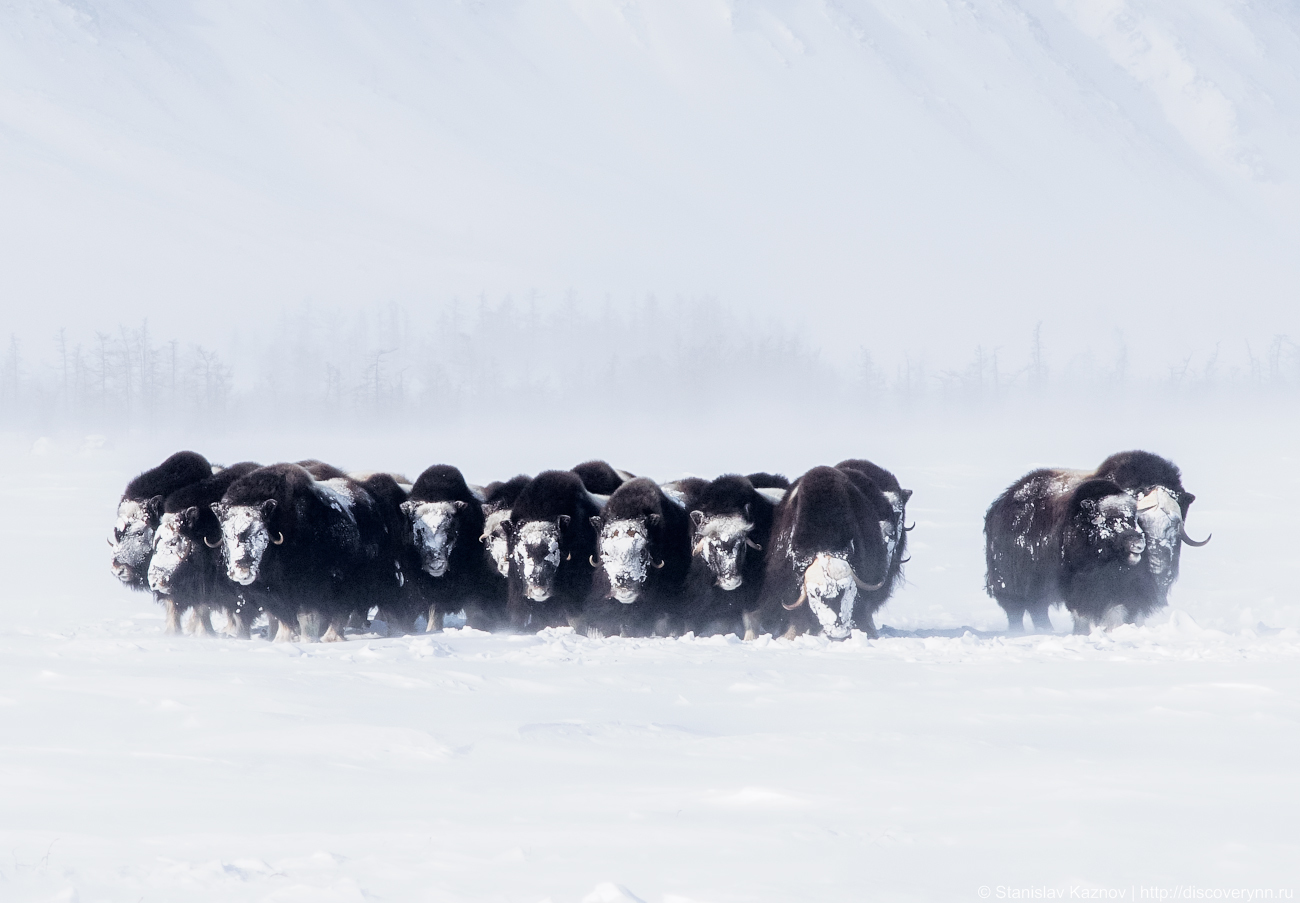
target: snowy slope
<point>1101,165</point>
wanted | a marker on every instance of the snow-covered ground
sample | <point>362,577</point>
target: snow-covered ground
<point>463,766</point>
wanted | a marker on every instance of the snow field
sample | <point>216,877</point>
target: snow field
<point>463,766</point>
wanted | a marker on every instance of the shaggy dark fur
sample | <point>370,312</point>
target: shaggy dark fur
<point>762,480</point>
<point>498,495</point>
<point>658,607</point>
<point>132,549</point>
<point>469,582</point>
<point>897,528</point>
<point>199,582</point>
<point>1097,573</point>
<point>830,512</point>
<point>685,491</point>
<point>599,477</point>
<point>322,471</point>
<point>552,497</point>
<point>327,564</point>
<point>1023,540</point>
<point>711,609</point>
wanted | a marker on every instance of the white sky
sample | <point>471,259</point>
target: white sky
<point>911,175</point>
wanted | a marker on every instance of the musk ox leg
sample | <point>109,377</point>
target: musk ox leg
<point>283,631</point>
<point>869,627</point>
<point>335,633</point>
<point>201,621</point>
<point>1082,624</point>
<point>791,633</point>
<point>751,624</point>
<point>1015,616</point>
<point>172,624</point>
<point>237,624</point>
<point>435,620</point>
<point>1042,621</point>
<point>309,626</point>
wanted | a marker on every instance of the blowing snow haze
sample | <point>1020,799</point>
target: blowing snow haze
<point>913,177</point>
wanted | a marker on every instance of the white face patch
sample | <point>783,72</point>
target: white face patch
<point>498,543</point>
<point>171,549</point>
<point>625,556</point>
<point>720,541</point>
<point>1161,520</point>
<point>832,593</point>
<point>434,525</point>
<point>537,550</point>
<point>244,539</point>
<point>132,540</point>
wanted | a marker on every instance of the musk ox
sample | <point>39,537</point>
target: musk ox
<point>894,528</point>
<point>448,570</point>
<point>643,558</point>
<point>1066,537</point>
<point>187,569</point>
<point>305,551</point>
<point>600,477</point>
<point>498,498</point>
<point>828,566</point>
<point>141,508</point>
<point>732,523</point>
<point>552,545</point>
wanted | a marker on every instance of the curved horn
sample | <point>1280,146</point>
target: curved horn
<point>803,594</point>
<point>869,587</point>
<point>280,541</point>
<point>753,545</point>
<point>483,538</point>
<point>592,559</point>
<point>110,542</point>
<point>905,560</point>
<point>907,529</point>
<point>212,545</point>
<point>1182,534</point>
<point>661,563</point>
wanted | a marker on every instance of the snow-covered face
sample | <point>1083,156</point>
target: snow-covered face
<point>721,542</point>
<point>497,540</point>
<point>625,556</point>
<point>1113,525</point>
<point>173,549</point>
<point>537,554</point>
<point>892,529</point>
<point>435,528</point>
<point>132,541</point>
<point>244,538</point>
<point>832,592</point>
<point>1161,520</point>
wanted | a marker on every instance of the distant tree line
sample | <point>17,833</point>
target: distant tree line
<point>485,358</point>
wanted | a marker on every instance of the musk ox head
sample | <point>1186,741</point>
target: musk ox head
<point>537,554</point>
<point>132,540</point>
<point>1107,522</point>
<point>625,554</point>
<point>830,587</point>
<point>174,548</point>
<point>496,537</point>
<point>1161,513</point>
<point>245,535</point>
<point>721,541</point>
<point>435,527</point>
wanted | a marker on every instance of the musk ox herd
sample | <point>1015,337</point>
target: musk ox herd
<point>313,549</point>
